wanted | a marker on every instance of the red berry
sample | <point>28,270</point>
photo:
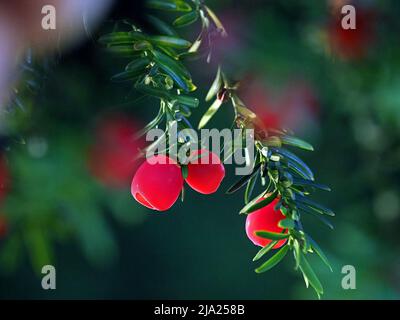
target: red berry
<point>265,219</point>
<point>112,158</point>
<point>206,175</point>
<point>157,186</point>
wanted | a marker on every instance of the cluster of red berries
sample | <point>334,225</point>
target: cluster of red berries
<point>158,183</point>
<point>159,180</point>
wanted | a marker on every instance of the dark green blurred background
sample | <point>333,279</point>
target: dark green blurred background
<point>104,245</point>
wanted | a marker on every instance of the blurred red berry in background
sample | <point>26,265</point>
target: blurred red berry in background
<point>352,44</point>
<point>265,219</point>
<point>294,105</point>
<point>3,226</point>
<point>300,105</point>
<point>259,98</point>
<point>113,158</point>
<point>4,177</point>
<point>205,172</point>
<point>157,183</point>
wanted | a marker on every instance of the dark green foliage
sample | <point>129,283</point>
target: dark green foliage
<point>158,70</point>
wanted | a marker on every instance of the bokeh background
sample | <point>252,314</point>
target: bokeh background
<point>65,127</point>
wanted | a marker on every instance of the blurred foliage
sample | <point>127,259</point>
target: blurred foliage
<point>51,196</point>
<point>200,250</point>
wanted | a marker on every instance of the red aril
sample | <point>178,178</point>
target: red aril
<point>265,219</point>
<point>157,186</point>
<point>206,175</point>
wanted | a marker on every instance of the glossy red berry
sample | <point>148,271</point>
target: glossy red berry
<point>265,219</point>
<point>206,175</point>
<point>157,186</point>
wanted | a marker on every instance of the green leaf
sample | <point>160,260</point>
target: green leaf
<point>297,169</point>
<point>174,63</point>
<point>319,252</point>
<point>255,204</point>
<point>296,142</point>
<point>126,75</point>
<point>156,92</point>
<point>137,65</point>
<point>297,163</point>
<point>264,250</point>
<point>190,56</point>
<point>274,260</point>
<point>123,50</point>
<point>216,85</point>
<point>314,205</point>
<point>161,26</point>
<point>185,171</point>
<point>216,20</point>
<point>272,141</point>
<point>183,194</point>
<point>297,252</point>
<point>196,45</point>
<point>287,223</point>
<point>246,112</point>
<point>142,45</point>
<point>309,273</point>
<point>169,5</point>
<point>308,183</point>
<point>173,69</point>
<point>170,52</point>
<point>249,188</point>
<point>319,217</point>
<point>188,101</point>
<point>271,235</point>
<point>242,181</point>
<point>186,19</point>
<point>119,38</point>
<point>210,113</point>
<point>152,124</point>
<point>170,41</point>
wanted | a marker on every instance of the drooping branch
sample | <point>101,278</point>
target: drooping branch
<point>157,69</point>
